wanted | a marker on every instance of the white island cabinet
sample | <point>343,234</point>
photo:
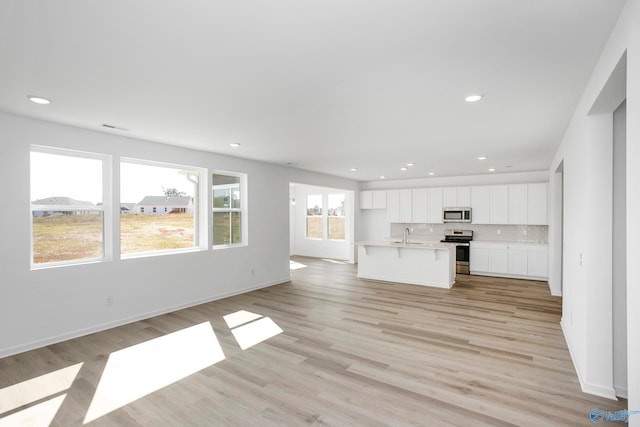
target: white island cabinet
<point>426,264</point>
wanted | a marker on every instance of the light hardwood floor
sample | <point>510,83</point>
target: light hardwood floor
<point>488,352</point>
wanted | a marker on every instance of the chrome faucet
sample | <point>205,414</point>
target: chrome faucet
<point>405,236</point>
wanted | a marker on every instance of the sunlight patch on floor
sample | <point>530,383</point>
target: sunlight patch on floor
<point>293,265</point>
<point>38,388</point>
<point>333,261</point>
<point>40,415</point>
<point>256,332</point>
<point>240,318</point>
<point>142,369</point>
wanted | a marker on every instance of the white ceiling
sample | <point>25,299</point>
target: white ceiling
<point>324,84</point>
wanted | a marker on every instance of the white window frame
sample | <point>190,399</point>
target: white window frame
<point>244,223</point>
<point>105,208</point>
<point>199,209</point>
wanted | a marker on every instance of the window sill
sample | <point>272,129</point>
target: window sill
<point>71,263</point>
<point>151,254</point>
<point>235,245</point>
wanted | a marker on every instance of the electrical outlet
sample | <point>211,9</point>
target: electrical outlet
<point>524,232</point>
<point>580,261</point>
<point>110,300</point>
<point>252,271</point>
<point>499,232</point>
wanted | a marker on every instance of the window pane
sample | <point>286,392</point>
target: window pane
<point>227,209</point>
<point>221,197</point>
<point>221,228</point>
<point>335,216</point>
<point>67,236</point>
<point>159,202</point>
<point>314,217</point>
<point>236,227</point>
<point>66,204</point>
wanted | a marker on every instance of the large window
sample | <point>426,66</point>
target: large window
<point>229,208</point>
<point>68,206</point>
<point>315,226</point>
<point>159,207</point>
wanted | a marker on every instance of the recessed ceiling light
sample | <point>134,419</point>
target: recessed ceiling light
<point>353,169</point>
<point>432,173</point>
<point>411,164</point>
<point>234,145</point>
<point>381,176</point>
<point>492,169</point>
<point>403,169</point>
<point>473,98</point>
<point>39,100</point>
<point>482,157</point>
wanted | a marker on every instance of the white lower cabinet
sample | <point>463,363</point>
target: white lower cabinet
<point>509,259</point>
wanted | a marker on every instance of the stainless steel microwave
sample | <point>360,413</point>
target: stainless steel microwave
<point>456,215</point>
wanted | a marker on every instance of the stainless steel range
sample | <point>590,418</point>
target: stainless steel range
<point>461,238</point>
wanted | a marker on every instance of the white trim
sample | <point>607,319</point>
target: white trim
<point>109,325</point>
<point>597,390</point>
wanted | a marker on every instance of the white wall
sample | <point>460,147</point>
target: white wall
<point>334,249</point>
<point>587,173</point>
<point>49,305</point>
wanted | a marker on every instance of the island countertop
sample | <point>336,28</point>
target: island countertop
<point>416,263</point>
<point>410,245</point>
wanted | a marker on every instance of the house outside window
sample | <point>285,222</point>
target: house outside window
<point>70,217</point>
<point>164,217</point>
<point>229,209</point>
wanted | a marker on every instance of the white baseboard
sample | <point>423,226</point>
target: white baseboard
<point>621,391</point>
<point>104,326</point>
<point>510,276</point>
<point>595,389</point>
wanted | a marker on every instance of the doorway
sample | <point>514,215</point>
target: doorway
<point>321,222</point>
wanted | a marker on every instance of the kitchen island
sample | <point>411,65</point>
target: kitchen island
<point>415,263</point>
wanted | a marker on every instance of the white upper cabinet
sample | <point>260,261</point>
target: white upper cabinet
<point>366,200</point>
<point>499,209</point>
<point>464,197</point>
<point>480,205</point>
<point>420,205</point>
<point>399,206</point>
<point>537,204</point>
<point>434,213</point>
<point>373,199</point>
<point>450,197</point>
<point>405,206</point>
<point>518,204</point>
<point>456,197</point>
<point>393,205</point>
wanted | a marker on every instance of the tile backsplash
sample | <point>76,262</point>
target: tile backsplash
<point>487,233</point>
